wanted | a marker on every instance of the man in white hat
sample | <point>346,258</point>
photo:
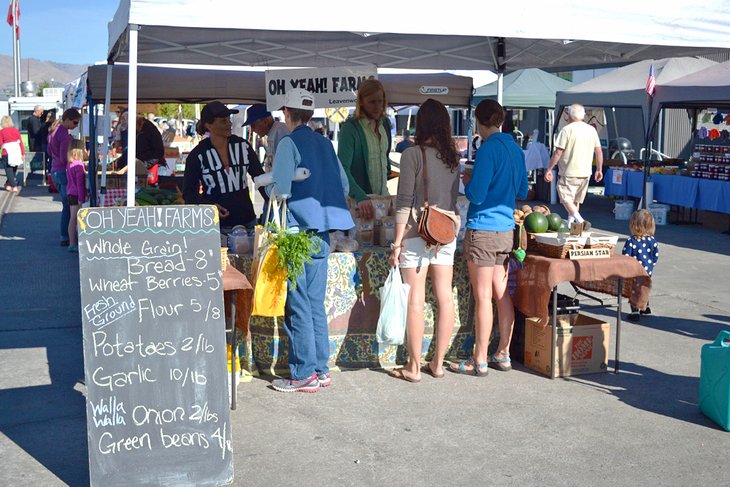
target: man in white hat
<point>316,206</point>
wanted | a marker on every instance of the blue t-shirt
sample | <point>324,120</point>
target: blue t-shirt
<point>498,179</point>
<point>643,249</point>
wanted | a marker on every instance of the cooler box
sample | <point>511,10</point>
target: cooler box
<point>715,380</point>
<point>660,213</point>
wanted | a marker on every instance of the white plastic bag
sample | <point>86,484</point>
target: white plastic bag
<point>393,309</point>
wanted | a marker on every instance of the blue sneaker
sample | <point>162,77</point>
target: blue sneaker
<point>310,384</point>
<point>324,379</point>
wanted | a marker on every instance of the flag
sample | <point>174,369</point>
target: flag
<point>14,18</point>
<point>651,82</point>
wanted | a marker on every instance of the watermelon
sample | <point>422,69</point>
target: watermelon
<point>554,222</point>
<point>536,223</point>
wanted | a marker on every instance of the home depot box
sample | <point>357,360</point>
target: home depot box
<point>582,346</point>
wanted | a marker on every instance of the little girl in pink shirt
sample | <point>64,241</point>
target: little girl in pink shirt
<point>76,189</point>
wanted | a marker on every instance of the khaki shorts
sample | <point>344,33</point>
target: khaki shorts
<point>414,254</point>
<point>488,249</point>
<point>572,190</point>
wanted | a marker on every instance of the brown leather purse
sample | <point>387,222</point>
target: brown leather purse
<point>434,226</point>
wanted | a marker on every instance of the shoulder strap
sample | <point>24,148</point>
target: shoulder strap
<point>425,177</point>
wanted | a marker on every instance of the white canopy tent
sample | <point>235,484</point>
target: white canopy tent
<point>569,33</point>
<point>221,32</point>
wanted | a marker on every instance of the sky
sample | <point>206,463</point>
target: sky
<point>63,31</point>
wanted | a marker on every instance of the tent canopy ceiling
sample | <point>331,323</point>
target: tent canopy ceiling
<point>525,88</point>
<point>566,36</point>
<point>199,85</point>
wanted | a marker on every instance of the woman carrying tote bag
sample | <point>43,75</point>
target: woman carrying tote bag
<point>416,258</point>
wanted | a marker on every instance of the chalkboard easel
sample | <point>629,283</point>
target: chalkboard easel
<point>154,346</point>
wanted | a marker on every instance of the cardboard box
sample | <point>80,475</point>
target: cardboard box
<point>582,346</point>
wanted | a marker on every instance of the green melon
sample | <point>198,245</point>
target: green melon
<point>536,222</point>
<point>554,221</point>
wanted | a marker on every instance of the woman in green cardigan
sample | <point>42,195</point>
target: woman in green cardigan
<point>364,144</point>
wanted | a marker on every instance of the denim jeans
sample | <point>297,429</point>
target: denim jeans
<point>59,179</point>
<point>305,320</point>
<point>9,172</point>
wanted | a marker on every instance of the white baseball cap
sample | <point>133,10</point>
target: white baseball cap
<point>299,98</point>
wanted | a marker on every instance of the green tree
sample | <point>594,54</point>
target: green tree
<point>169,110</point>
<point>41,86</point>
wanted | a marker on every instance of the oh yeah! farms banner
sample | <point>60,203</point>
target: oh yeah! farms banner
<point>331,87</point>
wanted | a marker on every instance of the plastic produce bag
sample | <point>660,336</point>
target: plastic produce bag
<point>393,309</point>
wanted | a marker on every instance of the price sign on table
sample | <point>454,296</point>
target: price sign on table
<point>154,346</point>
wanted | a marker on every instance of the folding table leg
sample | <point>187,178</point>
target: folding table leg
<point>618,323</point>
<point>554,320</point>
<point>234,347</point>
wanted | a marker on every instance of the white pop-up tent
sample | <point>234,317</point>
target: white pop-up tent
<point>569,34</point>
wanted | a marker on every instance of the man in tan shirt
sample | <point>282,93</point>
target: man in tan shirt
<point>575,148</point>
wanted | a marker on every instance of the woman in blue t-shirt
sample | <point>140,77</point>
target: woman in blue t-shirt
<point>498,179</point>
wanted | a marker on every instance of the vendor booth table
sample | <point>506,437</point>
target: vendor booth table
<point>675,190</point>
<point>352,305</point>
<point>618,275</point>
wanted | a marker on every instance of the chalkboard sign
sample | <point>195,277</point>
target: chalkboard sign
<point>154,346</point>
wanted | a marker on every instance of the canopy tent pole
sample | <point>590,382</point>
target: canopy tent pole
<point>107,126</point>
<point>615,123</point>
<point>500,88</point>
<point>647,153</point>
<point>93,152</point>
<point>132,115</point>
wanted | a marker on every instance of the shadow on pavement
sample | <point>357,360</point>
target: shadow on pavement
<point>599,210</point>
<point>700,329</point>
<point>27,412</point>
<point>652,391</point>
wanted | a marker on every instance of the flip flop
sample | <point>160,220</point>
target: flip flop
<point>427,369</point>
<point>479,370</point>
<point>398,374</point>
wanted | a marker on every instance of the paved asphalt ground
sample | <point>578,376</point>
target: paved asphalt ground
<point>640,427</point>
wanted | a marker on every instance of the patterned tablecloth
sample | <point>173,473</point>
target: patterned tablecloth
<point>352,305</point>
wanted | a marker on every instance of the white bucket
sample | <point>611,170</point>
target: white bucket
<point>623,209</point>
<point>660,213</point>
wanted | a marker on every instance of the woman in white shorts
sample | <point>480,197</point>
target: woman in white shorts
<point>433,134</point>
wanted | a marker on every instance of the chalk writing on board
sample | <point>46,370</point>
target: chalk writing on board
<point>154,346</point>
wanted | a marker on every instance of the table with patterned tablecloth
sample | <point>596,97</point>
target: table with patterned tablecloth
<point>352,305</point>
